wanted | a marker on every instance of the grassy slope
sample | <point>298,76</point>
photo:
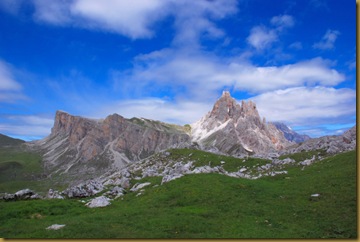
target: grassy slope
<point>207,206</point>
<point>20,169</point>
<point>8,141</point>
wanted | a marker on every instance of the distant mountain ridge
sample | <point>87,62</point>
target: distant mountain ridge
<point>290,134</point>
<point>9,141</point>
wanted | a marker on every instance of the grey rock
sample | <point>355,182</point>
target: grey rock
<point>139,186</point>
<point>56,227</point>
<point>168,178</point>
<point>24,194</point>
<point>101,201</point>
<point>116,192</point>
<point>86,189</point>
<point>9,197</point>
<point>53,194</point>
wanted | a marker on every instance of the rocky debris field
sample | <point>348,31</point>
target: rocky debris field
<point>169,165</point>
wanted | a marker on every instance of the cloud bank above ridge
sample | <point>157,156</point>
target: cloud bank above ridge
<point>194,72</point>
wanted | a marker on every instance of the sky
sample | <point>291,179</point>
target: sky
<point>170,60</point>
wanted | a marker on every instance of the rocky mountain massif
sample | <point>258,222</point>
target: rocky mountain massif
<point>89,147</point>
<point>82,148</point>
<point>107,156</point>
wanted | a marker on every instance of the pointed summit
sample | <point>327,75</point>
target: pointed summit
<point>232,128</point>
<point>225,108</point>
<point>226,94</point>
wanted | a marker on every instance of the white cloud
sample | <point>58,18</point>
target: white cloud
<point>130,18</point>
<point>53,12</point>
<point>27,127</point>
<point>10,89</point>
<point>282,21</point>
<point>202,71</point>
<point>7,81</point>
<point>135,19</point>
<point>261,37</point>
<point>328,40</point>
<point>180,112</point>
<point>193,19</point>
<point>296,45</point>
<point>303,106</point>
<point>11,6</point>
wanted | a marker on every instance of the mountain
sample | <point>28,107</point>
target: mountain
<point>80,148</point>
<point>88,147</point>
<point>237,129</point>
<point>8,141</point>
<point>331,144</point>
<point>290,134</point>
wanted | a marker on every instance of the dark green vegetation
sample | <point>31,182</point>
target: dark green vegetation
<point>8,141</point>
<point>170,128</point>
<point>17,167</point>
<point>304,155</point>
<point>203,158</point>
<point>20,169</point>
<point>207,206</point>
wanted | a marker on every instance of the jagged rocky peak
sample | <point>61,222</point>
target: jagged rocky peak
<point>227,108</point>
<point>236,129</point>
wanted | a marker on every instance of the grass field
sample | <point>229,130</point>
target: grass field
<point>207,206</point>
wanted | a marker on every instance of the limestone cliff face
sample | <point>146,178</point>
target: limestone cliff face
<point>237,129</point>
<point>79,145</point>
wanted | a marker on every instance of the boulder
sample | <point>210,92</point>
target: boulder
<point>53,194</point>
<point>101,201</point>
<point>56,227</point>
<point>116,192</point>
<point>21,195</point>
<point>87,189</point>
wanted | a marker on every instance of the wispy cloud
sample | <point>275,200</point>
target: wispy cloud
<point>208,73</point>
<point>282,21</point>
<point>304,106</point>
<point>262,37</point>
<point>328,40</point>
<point>135,19</point>
<point>27,127</point>
<point>7,79</point>
<point>10,89</point>
<point>296,45</point>
<point>178,111</point>
<point>11,6</point>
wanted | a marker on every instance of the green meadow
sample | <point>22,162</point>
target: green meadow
<point>206,206</point>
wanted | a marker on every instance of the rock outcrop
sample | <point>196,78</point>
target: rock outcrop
<point>24,194</point>
<point>88,147</point>
<point>236,129</point>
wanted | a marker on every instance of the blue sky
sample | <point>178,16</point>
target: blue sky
<point>170,60</point>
